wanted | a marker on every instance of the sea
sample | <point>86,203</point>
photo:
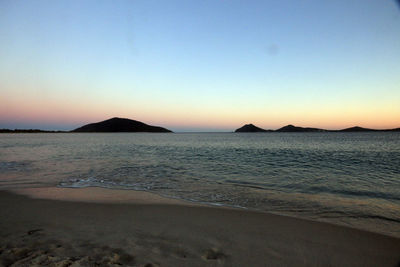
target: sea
<point>350,179</point>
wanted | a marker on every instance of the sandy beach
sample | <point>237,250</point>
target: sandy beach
<point>101,227</point>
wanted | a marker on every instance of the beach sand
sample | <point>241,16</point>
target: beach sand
<point>102,227</point>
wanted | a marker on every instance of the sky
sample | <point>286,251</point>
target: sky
<point>201,65</point>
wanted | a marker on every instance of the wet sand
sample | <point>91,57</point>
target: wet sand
<point>101,227</point>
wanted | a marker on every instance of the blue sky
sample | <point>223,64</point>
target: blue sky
<point>200,65</point>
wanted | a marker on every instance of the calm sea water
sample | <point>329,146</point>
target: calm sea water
<point>345,178</point>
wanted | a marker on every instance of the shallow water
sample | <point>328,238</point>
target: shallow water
<point>345,178</point>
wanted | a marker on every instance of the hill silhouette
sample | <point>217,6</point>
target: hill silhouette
<point>291,128</point>
<point>357,129</point>
<point>120,125</point>
<point>250,128</point>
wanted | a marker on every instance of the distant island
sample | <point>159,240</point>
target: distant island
<point>250,128</point>
<point>120,125</point>
<point>292,128</point>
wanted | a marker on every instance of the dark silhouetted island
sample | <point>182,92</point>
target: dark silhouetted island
<point>250,128</point>
<point>120,125</point>
<point>292,128</point>
<point>361,129</point>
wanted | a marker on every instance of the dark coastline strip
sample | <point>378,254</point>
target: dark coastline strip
<point>29,131</point>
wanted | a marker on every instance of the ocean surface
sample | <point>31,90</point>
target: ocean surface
<point>350,179</point>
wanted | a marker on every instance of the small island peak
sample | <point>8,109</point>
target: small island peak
<point>249,128</point>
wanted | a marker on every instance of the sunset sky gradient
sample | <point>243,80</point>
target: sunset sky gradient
<point>210,65</point>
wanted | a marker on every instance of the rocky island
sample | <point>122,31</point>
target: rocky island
<point>250,128</point>
<point>292,128</point>
<point>120,125</point>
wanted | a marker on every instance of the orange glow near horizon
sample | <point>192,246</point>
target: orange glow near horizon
<point>213,118</point>
<point>75,110</point>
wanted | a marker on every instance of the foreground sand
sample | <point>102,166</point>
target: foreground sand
<point>111,227</point>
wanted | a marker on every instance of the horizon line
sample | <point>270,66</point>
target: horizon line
<point>208,131</point>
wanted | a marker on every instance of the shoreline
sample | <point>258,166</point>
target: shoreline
<point>95,225</point>
<point>100,195</point>
<point>103,195</point>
